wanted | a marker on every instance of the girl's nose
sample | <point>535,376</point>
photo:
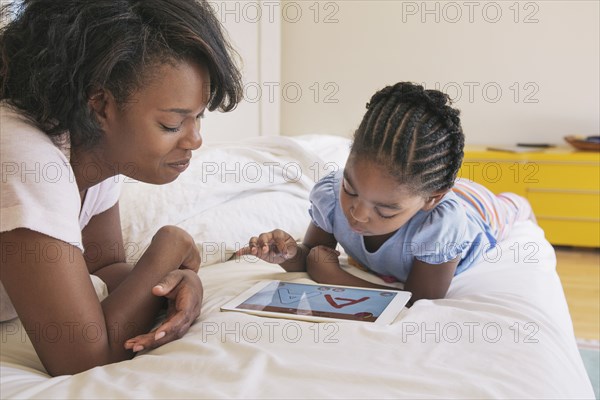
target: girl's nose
<point>359,212</point>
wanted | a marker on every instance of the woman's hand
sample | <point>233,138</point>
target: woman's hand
<point>183,290</point>
<point>275,247</point>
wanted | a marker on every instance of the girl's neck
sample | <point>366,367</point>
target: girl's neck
<point>373,243</point>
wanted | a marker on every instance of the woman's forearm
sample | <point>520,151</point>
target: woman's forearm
<point>114,274</point>
<point>131,308</point>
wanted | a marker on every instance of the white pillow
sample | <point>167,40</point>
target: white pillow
<point>230,192</point>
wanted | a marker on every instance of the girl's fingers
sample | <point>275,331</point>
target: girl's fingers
<point>263,242</point>
<point>250,250</point>
<point>246,251</point>
<point>274,246</point>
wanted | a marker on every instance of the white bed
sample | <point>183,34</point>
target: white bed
<point>504,330</point>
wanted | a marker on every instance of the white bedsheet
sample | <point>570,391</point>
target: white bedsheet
<point>504,331</point>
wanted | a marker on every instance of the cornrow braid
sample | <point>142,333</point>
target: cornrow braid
<point>415,134</point>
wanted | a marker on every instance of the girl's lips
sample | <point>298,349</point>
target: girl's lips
<point>361,231</point>
<point>180,165</point>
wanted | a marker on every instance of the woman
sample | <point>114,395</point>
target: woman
<point>90,90</point>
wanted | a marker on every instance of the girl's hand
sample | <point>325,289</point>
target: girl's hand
<point>183,290</point>
<point>275,247</point>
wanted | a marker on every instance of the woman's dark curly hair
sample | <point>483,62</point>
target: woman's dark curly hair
<point>54,52</point>
<point>414,134</point>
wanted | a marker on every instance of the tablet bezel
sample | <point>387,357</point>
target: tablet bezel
<point>389,314</point>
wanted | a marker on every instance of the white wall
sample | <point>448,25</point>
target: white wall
<point>519,71</point>
<point>255,32</point>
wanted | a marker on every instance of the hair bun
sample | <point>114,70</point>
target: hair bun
<point>407,92</point>
<point>436,98</point>
<point>410,93</point>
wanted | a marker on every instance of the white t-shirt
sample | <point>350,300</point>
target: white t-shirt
<point>39,191</point>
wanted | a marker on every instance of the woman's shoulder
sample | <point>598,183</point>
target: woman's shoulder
<point>35,172</point>
<point>21,139</point>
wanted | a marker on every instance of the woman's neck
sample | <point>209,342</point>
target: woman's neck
<point>90,167</point>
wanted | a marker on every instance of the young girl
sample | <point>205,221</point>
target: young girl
<point>397,208</point>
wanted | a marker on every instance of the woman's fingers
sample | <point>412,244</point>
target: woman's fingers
<point>183,290</point>
<point>167,283</point>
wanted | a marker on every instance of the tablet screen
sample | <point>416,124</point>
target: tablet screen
<point>323,301</point>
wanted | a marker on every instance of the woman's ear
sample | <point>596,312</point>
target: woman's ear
<point>433,200</point>
<point>98,100</point>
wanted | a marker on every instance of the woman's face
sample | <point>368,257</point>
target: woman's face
<point>373,201</point>
<point>151,137</point>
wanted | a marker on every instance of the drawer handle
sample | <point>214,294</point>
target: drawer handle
<point>577,219</point>
<point>565,191</point>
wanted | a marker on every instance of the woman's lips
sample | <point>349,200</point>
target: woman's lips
<point>180,165</point>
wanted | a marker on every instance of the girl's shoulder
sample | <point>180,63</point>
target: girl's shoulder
<point>449,209</point>
<point>445,222</point>
<point>324,199</point>
<point>326,189</point>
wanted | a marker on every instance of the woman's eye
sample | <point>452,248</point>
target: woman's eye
<point>170,129</point>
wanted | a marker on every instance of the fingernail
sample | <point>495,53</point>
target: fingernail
<point>159,335</point>
<point>137,348</point>
<point>159,287</point>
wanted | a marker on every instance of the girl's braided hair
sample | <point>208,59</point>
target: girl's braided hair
<point>415,134</point>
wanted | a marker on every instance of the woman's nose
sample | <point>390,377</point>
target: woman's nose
<point>193,139</point>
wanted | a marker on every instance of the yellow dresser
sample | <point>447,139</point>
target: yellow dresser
<point>562,185</point>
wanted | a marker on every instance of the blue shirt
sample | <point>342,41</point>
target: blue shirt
<point>451,229</point>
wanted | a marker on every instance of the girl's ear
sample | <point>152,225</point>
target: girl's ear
<point>434,199</point>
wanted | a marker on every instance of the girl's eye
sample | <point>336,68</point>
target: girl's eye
<point>379,214</point>
<point>170,129</point>
<point>346,190</point>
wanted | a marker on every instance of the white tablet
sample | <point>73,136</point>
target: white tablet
<point>320,303</point>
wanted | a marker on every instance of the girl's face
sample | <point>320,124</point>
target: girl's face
<point>373,201</point>
<point>152,137</point>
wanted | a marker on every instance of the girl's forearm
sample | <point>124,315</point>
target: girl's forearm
<point>326,272</point>
<point>298,262</point>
